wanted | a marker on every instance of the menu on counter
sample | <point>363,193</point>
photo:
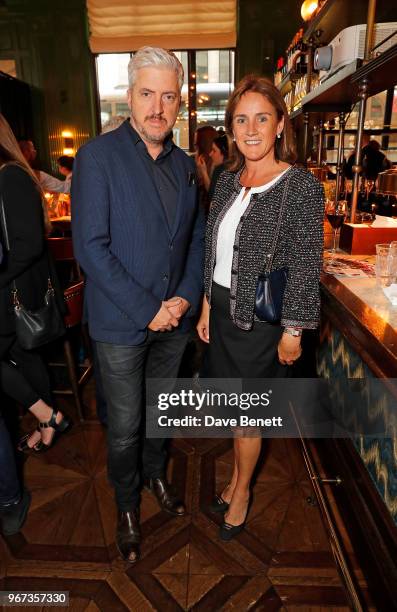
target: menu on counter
<point>348,268</point>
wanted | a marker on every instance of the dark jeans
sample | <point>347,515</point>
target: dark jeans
<point>124,370</point>
<point>9,486</point>
<point>101,407</point>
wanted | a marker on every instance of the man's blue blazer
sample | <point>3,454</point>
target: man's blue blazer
<point>131,258</point>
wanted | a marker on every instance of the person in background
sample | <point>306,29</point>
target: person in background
<point>112,123</point>
<point>142,255</point>
<point>47,182</point>
<point>65,167</point>
<point>203,139</point>
<point>23,375</point>
<point>219,154</point>
<point>260,181</point>
<point>14,501</point>
<point>373,161</point>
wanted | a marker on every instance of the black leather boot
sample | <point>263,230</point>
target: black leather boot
<point>128,535</point>
<point>165,497</point>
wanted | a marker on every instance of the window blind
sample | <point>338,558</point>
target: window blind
<point>125,25</point>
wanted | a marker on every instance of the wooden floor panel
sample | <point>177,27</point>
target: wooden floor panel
<point>281,561</point>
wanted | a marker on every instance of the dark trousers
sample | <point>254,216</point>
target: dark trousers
<point>123,371</point>
<point>24,376</point>
<point>9,485</point>
<point>100,400</point>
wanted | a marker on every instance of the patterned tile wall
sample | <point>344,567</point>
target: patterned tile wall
<point>337,360</point>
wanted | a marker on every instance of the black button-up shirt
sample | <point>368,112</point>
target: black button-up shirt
<point>160,169</point>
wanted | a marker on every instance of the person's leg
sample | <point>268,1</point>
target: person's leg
<point>164,359</point>
<point>14,502</point>
<point>101,407</point>
<point>25,379</point>
<point>248,454</point>
<point>33,369</point>
<point>122,371</point>
<point>227,492</point>
<point>10,491</point>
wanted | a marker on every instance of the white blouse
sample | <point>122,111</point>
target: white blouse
<point>227,232</point>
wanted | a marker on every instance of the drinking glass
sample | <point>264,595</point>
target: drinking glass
<point>336,215</point>
<point>386,264</point>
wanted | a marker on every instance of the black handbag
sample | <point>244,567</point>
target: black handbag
<point>271,283</point>
<point>39,327</point>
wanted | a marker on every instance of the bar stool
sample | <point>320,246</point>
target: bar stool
<point>74,297</point>
<point>61,250</point>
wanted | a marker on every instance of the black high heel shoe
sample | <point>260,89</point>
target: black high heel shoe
<point>219,504</point>
<point>227,531</point>
<point>40,446</point>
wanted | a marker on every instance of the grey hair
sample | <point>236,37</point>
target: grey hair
<point>157,57</point>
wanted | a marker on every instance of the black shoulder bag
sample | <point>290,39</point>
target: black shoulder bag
<point>271,284</point>
<point>39,327</point>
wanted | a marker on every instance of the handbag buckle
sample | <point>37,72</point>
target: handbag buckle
<point>50,288</point>
<point>15,299</point>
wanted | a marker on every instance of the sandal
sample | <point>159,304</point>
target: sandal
<point>40,446</point>
<point>23,445</point>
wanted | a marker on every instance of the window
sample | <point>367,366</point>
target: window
<point>214,87</point>
<point>214,84</point>
<point>112,77</point>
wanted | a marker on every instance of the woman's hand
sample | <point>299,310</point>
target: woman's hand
<point>289,349</point>
<point>201,165</point>
<point>203,172</point>
<point>203,326</point>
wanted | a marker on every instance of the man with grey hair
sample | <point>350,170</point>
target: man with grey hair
<point>138,235</point>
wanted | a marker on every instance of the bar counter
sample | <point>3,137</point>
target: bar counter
<point>365,316</point>
<point>358,339</point>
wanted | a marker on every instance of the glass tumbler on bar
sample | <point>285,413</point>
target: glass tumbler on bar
<point>386,264</point>
<point>336,215</point>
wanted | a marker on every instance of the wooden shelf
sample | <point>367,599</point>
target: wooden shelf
<point>340,92</point>
<point>330,98</point>
<point>335,90</point>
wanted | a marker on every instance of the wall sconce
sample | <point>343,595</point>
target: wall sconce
<point>308,9</point>
<point>68,142</point>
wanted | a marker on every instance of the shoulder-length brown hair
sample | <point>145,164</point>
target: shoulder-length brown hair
<point>10,152</point>
<point>284,148</point>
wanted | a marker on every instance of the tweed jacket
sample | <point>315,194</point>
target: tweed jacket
<point>299,246</point>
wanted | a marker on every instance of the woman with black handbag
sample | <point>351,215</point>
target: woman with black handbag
<point>26,294</point>
<point>263,259</point>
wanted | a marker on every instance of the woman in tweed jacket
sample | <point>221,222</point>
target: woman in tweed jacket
<point>240,237</point>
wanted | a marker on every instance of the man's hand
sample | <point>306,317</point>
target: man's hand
<point>289,349</point>
<point>165,320</point>
<point>177,306</point>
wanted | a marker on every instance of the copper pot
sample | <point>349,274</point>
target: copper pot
<point>387,182</point>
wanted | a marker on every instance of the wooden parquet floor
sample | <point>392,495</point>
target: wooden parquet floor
<point>282,561</point>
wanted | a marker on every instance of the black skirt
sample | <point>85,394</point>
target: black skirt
<point>238,353</point>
